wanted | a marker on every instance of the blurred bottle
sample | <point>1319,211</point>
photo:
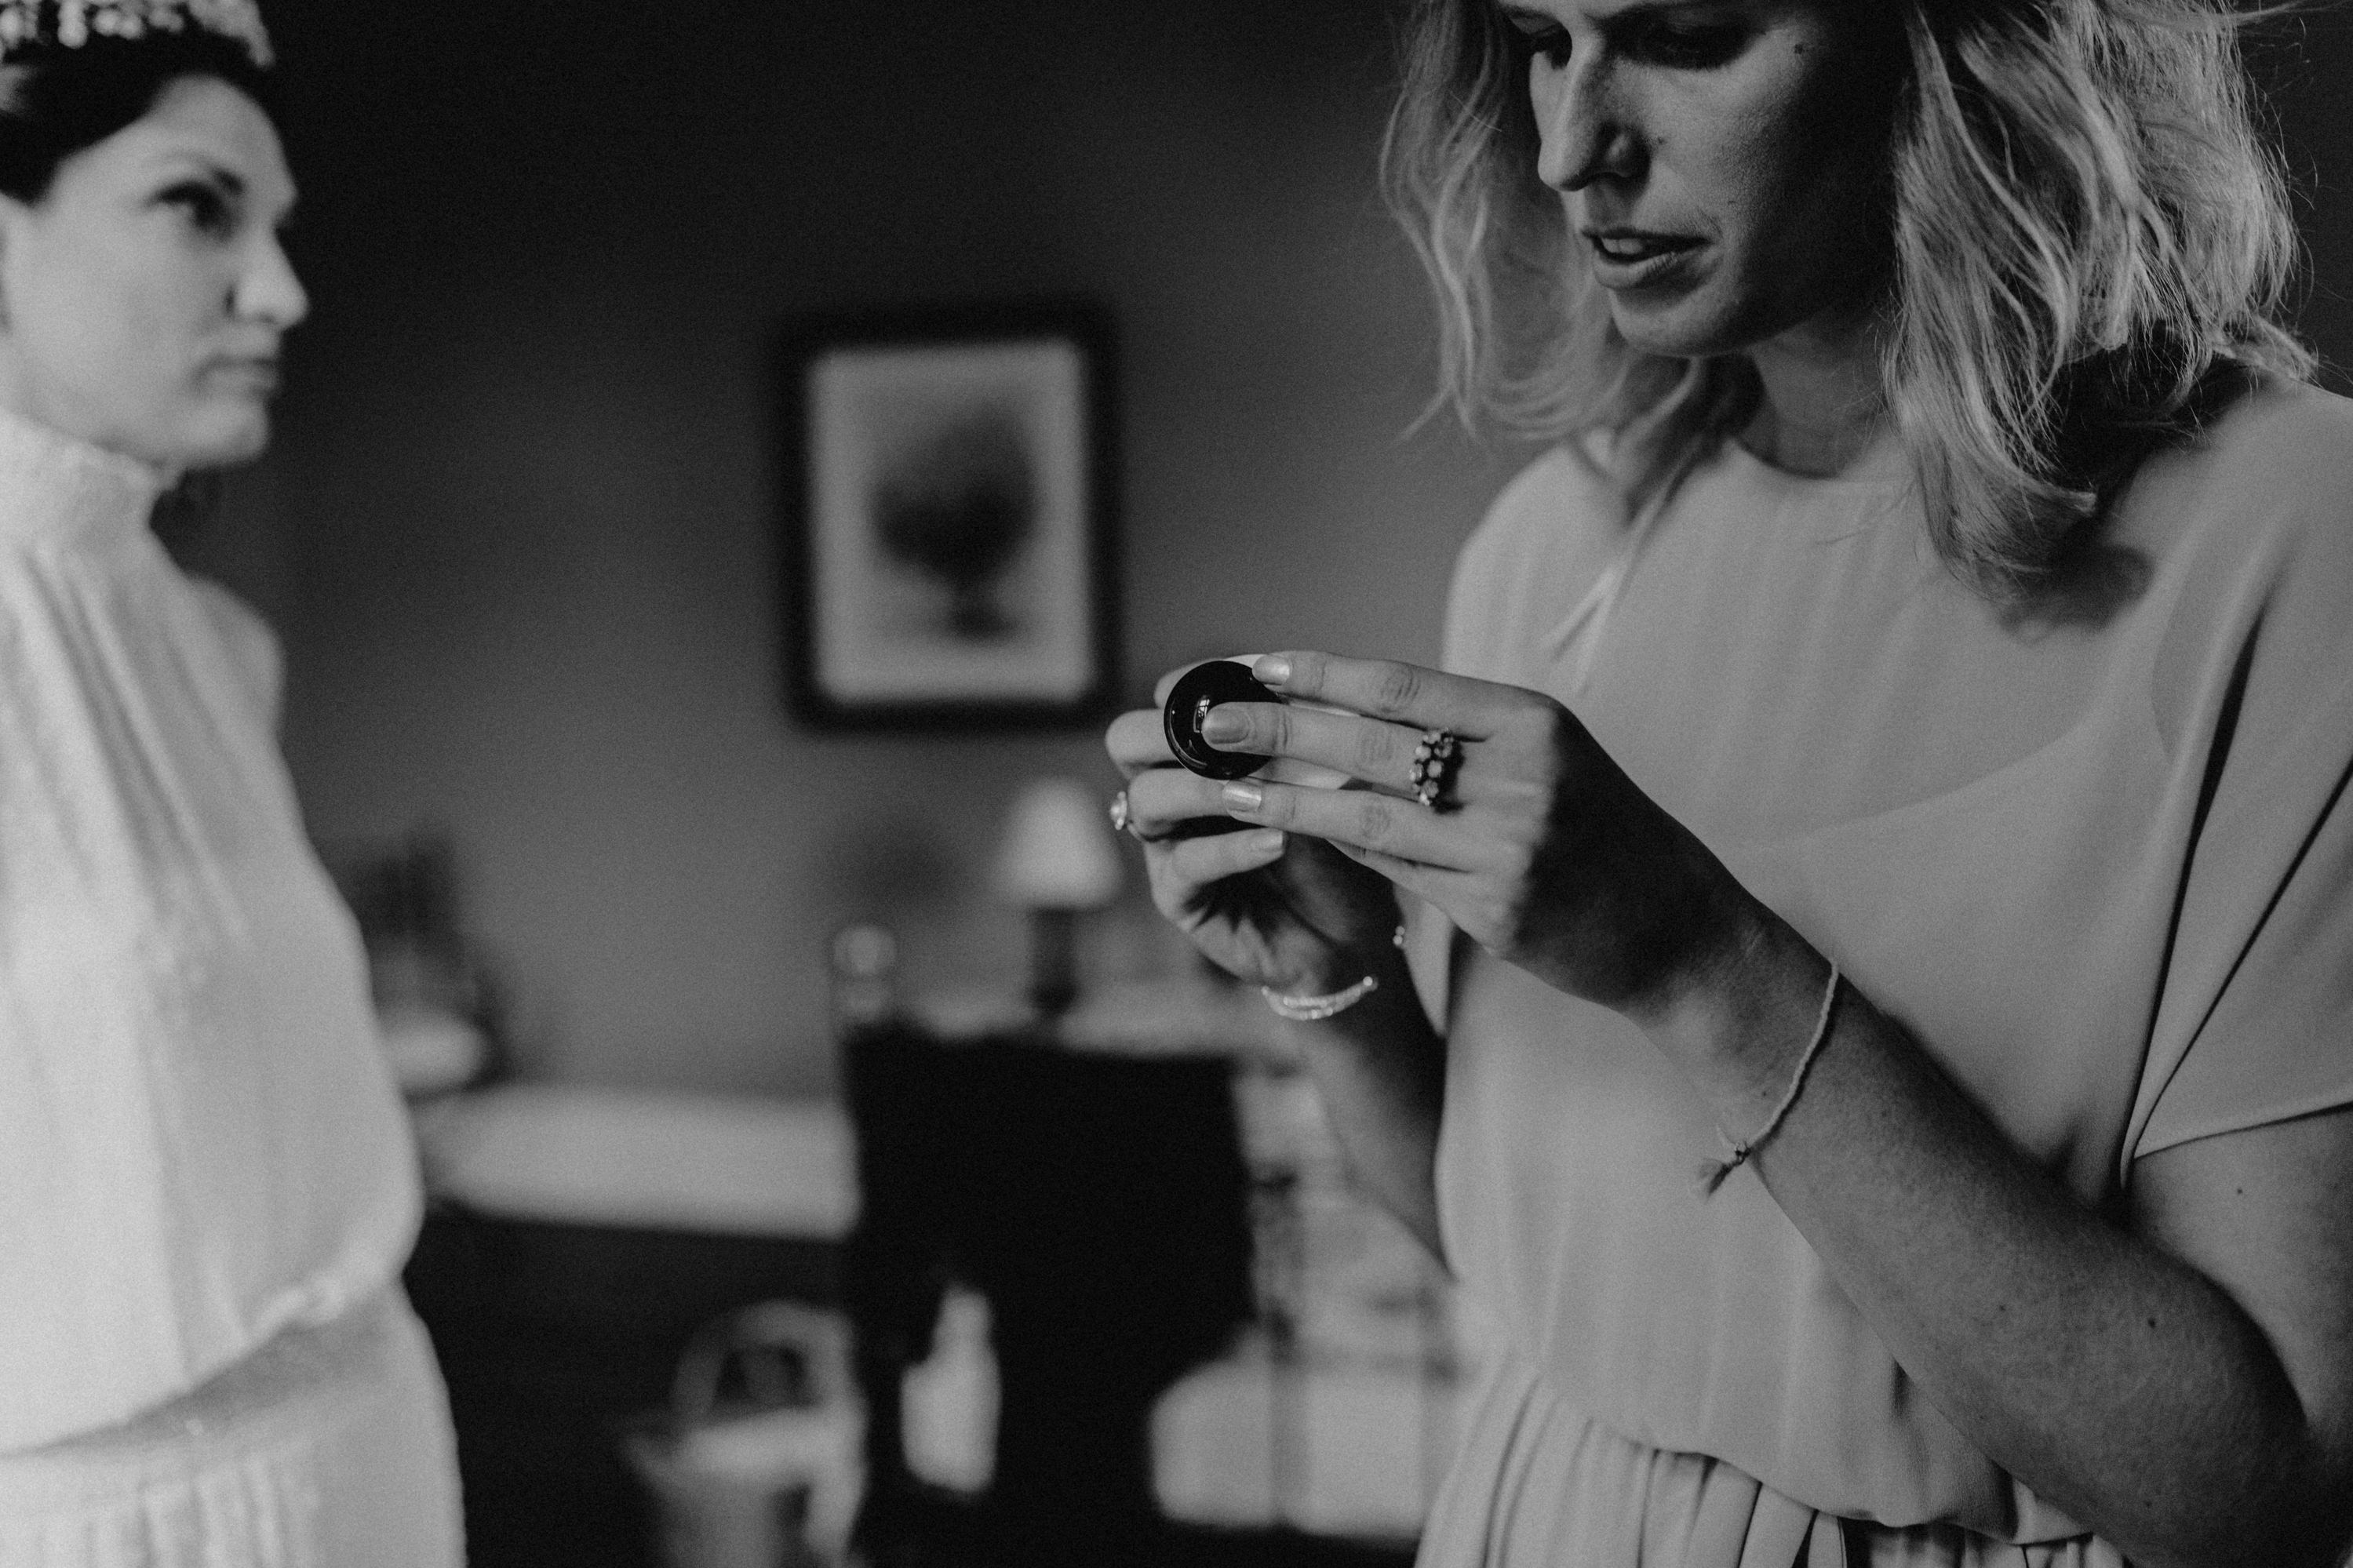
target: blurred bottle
<point>865,965</point>
<point>949,1400</point>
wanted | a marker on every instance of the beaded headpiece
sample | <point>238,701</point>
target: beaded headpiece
<point>27,25</point>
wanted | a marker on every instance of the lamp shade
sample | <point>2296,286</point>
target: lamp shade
<point>1058,852</point>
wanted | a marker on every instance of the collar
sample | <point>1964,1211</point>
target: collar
<point>56,487</point>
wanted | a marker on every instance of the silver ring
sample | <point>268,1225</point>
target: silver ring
<point>1122,820</point>
<point>1435,761</point>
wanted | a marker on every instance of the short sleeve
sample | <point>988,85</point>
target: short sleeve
<point>2279,1040</point>
<point>2255,1025</point>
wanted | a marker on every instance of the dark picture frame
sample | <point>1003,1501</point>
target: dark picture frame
<point>949,516</point>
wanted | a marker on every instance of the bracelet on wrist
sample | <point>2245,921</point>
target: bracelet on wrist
<point>1737,1150</point>
<point>1316,1009</point>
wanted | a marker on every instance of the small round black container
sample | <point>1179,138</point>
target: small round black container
<point>1197,692</point>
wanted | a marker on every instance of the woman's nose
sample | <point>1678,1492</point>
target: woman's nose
<point>1585,134</point>
<point>268,290</point>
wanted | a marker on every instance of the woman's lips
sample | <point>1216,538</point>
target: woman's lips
<point>1628,259</point>
<point>252,374</point>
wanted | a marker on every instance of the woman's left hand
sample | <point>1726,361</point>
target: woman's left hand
<point>1538,845</point>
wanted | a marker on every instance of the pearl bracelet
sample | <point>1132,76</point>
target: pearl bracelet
<point>1314,1009</point>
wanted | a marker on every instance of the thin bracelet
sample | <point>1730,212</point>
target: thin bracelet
<point>1314,1009</point>
<point>1712,1172</point>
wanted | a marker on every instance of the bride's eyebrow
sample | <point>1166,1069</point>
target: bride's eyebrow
<point>1640,11</point>
<point>184,163</point>
<point>1632,14</point>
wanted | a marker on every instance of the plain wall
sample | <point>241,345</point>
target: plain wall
<point>518,529</point>
<point>524,476</point>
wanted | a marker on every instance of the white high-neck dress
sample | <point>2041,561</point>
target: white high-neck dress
<point>207,1185</point>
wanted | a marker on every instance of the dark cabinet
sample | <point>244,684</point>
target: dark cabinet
<point>551,1336</point>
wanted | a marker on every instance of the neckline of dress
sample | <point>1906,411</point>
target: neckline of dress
<point>1871,486</point>
<point>1878,469</point>
<point>54,486</point>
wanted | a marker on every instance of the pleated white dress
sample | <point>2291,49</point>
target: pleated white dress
<point>2103,870</point>
<point>207,1185</point>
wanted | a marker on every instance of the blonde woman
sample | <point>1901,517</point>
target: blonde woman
<point>206,1184</point>
<point>1873,1022</point>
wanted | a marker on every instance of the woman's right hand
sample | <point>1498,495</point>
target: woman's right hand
<point>1278,909</point>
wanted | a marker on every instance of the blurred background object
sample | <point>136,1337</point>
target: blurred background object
<point>1335,1412</point>
<point>1091,1191</point>
<point>947,516</point>
<point>434,998</point>
<point>754,1463</point>
<point>581,1245</point>
<point>865,964</point>
<point>1057,861</point>
<point>958,508</point>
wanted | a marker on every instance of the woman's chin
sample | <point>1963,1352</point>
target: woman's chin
<point>220,441</point>
<point>1674,329</point>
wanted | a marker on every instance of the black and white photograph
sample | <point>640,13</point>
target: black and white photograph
<point>1240,783</point>
<point>951,516</point>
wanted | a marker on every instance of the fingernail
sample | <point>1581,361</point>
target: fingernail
<point>1269,844</point>
<point>1220,725</point>
<point>1241,796</point>
<point>1272,670</point>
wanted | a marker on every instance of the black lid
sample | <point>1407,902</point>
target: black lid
<point>1197,692</point>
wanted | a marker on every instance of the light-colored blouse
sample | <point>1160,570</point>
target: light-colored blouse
<point>2102,869</point>
<point>199,1143</point>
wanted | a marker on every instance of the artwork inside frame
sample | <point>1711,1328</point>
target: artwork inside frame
<point>949,516</point>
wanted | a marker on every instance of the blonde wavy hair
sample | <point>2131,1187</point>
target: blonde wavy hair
<point>2089,245</point>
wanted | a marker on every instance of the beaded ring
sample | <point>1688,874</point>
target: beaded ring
<point>1434,764</point>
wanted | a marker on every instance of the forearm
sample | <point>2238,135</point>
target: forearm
<point>2108,1376</point>
<point>1380,1072</point>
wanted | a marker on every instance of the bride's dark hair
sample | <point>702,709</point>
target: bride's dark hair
<point>56,100</point>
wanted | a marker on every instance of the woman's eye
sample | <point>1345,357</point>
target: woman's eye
<point>206,210</point>
<point>1692,48</point>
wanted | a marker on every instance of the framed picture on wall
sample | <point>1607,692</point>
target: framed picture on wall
<point>948,517</point>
